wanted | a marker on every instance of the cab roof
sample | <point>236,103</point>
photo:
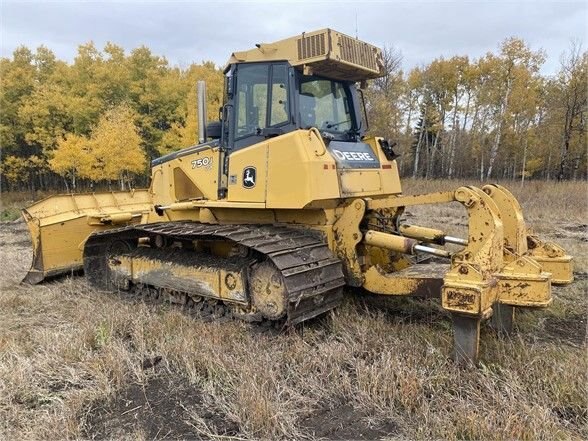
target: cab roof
<point>325,52</point>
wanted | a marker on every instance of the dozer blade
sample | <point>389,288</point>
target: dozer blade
<point>59,226</point>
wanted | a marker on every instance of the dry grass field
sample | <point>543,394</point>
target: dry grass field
<point>78,363</point>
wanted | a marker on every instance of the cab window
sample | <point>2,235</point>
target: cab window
<point>262,98</point>
<point>279,101</point>
<point>325,104</point>
<point>251,98</point>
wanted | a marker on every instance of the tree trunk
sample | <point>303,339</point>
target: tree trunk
<point>431,165</point>
<point>453,140</point>
<point>525,147</point>
<point>417,150</point>
<point>565,150</point>
<point>409,117</point>
<point>466,113</point>
<point>576,167</point>
<point>496,144</point>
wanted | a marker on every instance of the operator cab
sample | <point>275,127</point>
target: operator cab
<point>268,99</point>
<point>282,101</point>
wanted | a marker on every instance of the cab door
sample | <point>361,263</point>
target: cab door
<point>262,103</point>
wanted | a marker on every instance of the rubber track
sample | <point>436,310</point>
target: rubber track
<point>313,276</point>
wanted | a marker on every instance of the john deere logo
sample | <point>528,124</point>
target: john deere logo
<point>249,177</point>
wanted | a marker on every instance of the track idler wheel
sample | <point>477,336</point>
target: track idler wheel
<point>269,295</point>
<point>100,255</point>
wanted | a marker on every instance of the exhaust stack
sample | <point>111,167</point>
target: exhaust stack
<point>202,112</point>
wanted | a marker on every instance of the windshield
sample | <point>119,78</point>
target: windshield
<point>325,104</point>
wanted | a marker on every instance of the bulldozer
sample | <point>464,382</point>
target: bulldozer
<point>285,201</point>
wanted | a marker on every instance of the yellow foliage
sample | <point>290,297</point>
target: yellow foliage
<point>111,153</point>
<point>533,166</point>
<point>115,146</point>
<point>71,158</point>
<point>18,170</point>
<point>15,169</point>
<point>481,111</point>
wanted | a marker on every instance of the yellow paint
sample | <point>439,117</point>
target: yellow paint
<point>360,182</point>
<point>524,283</point>
<point>561,268</point>
<point>241,161</point>
<point>193,176</point>
<point>206,281</point>
<point>389,177</point>
<point>346,236</point>
<point>298,172</point>
<point>552,258</point>
<point>378,281</point>
<point>325,52</point>
<point>60,225</point>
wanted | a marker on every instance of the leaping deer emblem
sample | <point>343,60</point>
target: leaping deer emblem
<point>249,178</point>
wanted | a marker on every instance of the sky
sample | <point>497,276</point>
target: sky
<point>195,31</point>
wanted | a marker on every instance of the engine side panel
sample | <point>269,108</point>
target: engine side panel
<point>293,170</point>
<point>182,177</point>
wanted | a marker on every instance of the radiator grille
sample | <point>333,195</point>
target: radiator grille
<point>312,46</point>
<point>357,52</point>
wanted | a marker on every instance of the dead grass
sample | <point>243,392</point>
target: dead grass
<point>68,351</point>
<point>11,204</point>
<point>557,211</point>
<point>545,204</point>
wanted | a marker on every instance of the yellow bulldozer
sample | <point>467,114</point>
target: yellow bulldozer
<point>285,201</point>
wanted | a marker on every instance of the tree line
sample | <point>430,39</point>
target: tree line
<point>100,119</point>
<point>491,117</point>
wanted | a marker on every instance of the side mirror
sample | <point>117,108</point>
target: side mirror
<point>386,147</point>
